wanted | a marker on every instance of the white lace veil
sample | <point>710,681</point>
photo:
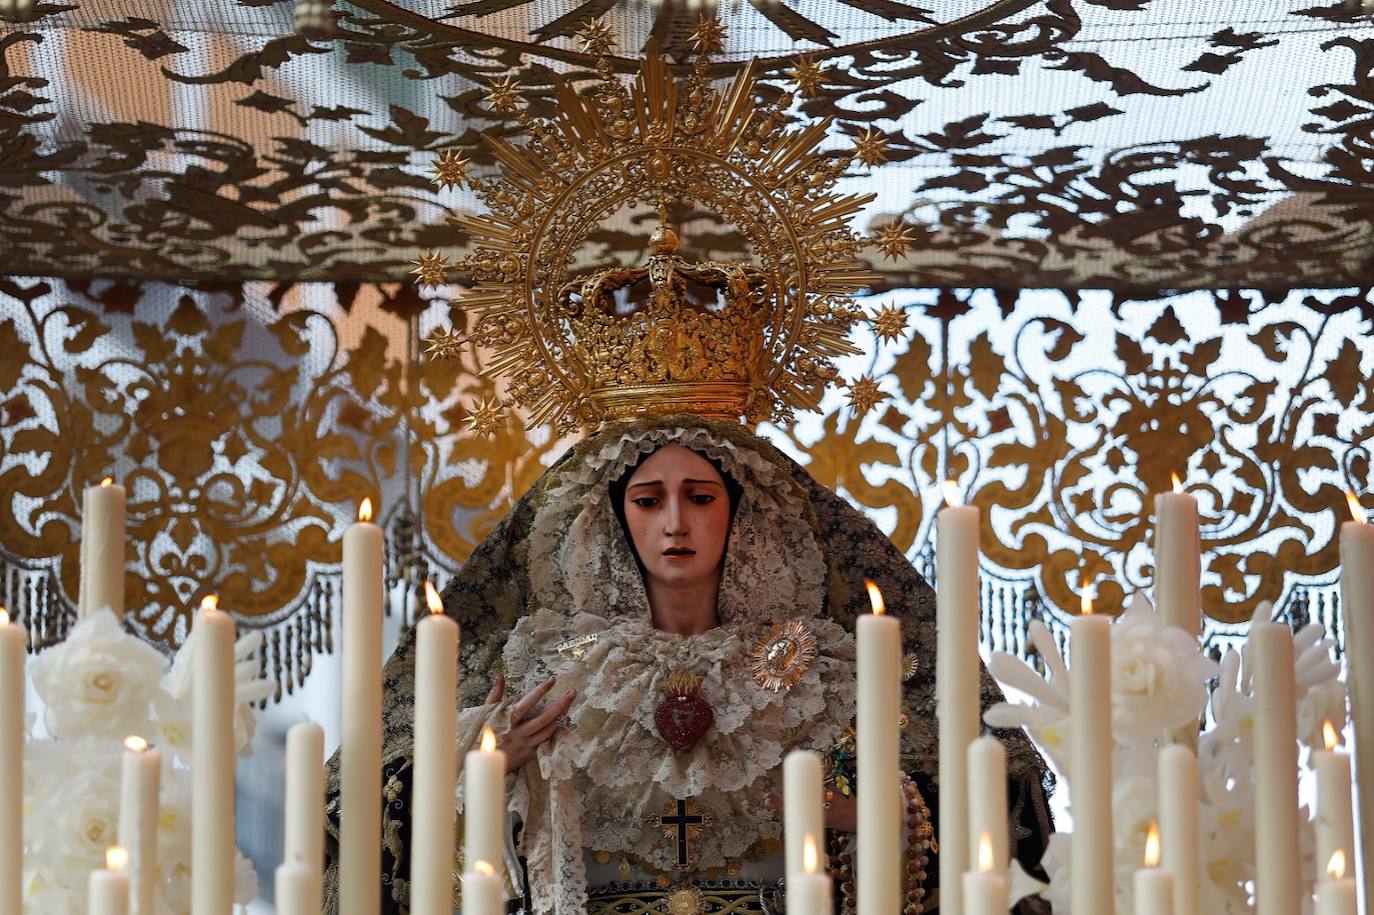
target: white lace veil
<point>773,566</point>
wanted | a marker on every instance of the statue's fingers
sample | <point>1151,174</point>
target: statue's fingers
<point>531,699</point>
<point>550,714</point>
<point>498,689</point>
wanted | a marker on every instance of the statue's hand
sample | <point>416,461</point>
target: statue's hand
<point>530,725</point>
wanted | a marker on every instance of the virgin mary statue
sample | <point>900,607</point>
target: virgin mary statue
<point>667,557</point>
<point>671,608</point>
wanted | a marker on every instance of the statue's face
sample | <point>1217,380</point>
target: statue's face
<point>678,513</point>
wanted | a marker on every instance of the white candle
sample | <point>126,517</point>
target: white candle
<point>1154,892</point>
<point>212,768</point>
<point>483,892</point>
<point>808,889</point>
<point>1154,887</point>
<point>1335,824</point>
<point>1178,560</point>
<point>803,797</point>
<point>297,889</point>
<point>985,889</point>
<point>360,762</point>
<point>107,893</point>
<point>1090,763</point>
<point>879,640</point>
<point>436,761</point>
<point>1278,890</point>
<point>1336,894</point>
<point>139,805</point>
<point>102,549</point>
<point>304,834</point>
<point>987,800</point>
<point>957,693</point>
<point>484,805</point>
<point>12,642</point>
<point>1178,824</point>
<point>1357,605</point>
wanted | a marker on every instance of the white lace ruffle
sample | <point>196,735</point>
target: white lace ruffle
<point>598,782</point>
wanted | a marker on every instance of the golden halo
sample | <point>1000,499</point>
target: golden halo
<point>661,139</point>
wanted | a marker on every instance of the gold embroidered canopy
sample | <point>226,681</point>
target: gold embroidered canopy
<point>1137,145</point>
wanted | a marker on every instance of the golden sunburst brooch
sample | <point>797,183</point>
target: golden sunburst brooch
<point>784,655</point>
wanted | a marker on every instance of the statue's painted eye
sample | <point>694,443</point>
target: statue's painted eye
<point>645,501</point>
<point>702,498</point>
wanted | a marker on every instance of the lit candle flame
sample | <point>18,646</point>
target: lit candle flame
<point>108,481</point>
<point>483,868</point>
<point>1152,846</point>
<point>1329,736</point>
<point>116,858</point>
<point>1085,597</point>
<point>209,602</point>
<point>488,740</point>
<point>136,743</point>
<point>875,597</point>
<point>951,492</point>
<point>1178,484</point>
<point>1356,509</point>
<point>985,854</point>
<point>810,860</point>
<point>432,598</point>
<point>1335,868</point>
<point>365,509</point>
<point>4,617</point>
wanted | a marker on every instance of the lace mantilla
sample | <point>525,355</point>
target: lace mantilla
<point>773,567</point>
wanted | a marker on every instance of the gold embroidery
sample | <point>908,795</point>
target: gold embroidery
<point>784,655</point>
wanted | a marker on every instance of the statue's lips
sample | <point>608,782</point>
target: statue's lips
<point>679,554</point>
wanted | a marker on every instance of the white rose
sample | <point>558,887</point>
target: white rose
<point>1226,822</point>
<point>1321,703</point>
<point>172,704</point>
<point>245,879</point>
<point>1159,677</point>
<point>45,893</point>
<point>174,819</point>
<point>172,722</point>
<point>80,825</point>
<point>1058,864</point>
<point>98,682</point>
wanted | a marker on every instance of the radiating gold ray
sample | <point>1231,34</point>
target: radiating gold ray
<point>658,139</point>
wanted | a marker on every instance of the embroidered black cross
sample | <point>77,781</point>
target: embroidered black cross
<point>681,821</point>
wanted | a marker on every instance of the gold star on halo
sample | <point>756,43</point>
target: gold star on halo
<point>450,170</point>
<point>864,395</point>
<point>597,37</point>
<point>809,76</point>
<point>486,417</point>
<point>889,323</point>
<point>894,239</point>
<point>871,148</point>
<point>431,269</point>
<point>444,343</point>
<point>709,35</point>
<point>504,96</point>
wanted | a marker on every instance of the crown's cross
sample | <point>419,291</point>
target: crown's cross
<point>683,822</point>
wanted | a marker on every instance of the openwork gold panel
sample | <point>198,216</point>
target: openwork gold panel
<point>247,424</point>
<point>1061,416</point>
<point>249,421</point>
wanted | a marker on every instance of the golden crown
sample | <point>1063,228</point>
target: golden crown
<point>673,335</point>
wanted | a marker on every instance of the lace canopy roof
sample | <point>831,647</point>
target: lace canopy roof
<point>1140,145</point>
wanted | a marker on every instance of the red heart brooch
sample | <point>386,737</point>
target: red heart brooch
<point>683,717</point>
